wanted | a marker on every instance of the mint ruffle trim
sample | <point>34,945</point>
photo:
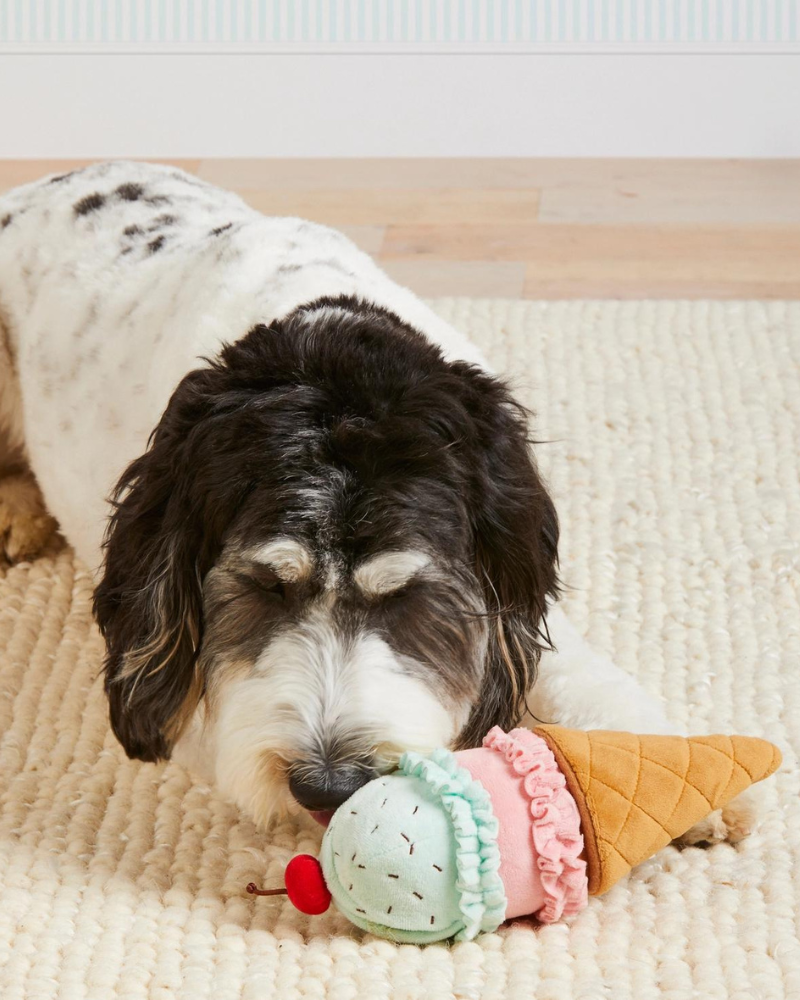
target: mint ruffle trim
<point>482,898</point>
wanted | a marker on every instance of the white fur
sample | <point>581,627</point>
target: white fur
<point>581,688</point>
<point>290,560</point>
<point>388,571</point>
<point>309,684</point>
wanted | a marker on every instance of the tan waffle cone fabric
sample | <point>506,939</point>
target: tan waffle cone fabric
<point>674,433</point>
<point>637,793</point>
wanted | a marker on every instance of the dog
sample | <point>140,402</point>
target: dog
<point>313,511</point>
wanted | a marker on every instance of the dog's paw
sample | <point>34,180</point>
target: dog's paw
<point>733,823</point>
<point>25,525</point>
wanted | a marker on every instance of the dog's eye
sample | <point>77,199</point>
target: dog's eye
<point>270,586</point>
<point>276,590</point>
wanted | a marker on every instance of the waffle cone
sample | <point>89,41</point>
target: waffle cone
<point>637,793</point>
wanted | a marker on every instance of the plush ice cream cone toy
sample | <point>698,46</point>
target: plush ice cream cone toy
<point>531,823</point>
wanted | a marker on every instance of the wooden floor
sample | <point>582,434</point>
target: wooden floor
<point>540,228</point>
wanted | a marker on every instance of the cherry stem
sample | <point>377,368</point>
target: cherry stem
<point>253,889</point>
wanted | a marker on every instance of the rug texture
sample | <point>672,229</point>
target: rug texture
<point>673,434</point>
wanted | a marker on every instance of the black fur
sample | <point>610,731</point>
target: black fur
<point>91,203</point>
<point>160,221</point>
<point>130,192</point>
<point>399,446</point>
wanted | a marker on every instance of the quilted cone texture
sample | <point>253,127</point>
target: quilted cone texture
<point>673,456</point>
<point>638,793</point>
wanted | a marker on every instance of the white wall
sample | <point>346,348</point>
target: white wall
<point>564,104</point>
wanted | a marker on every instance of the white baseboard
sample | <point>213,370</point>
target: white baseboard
<point>304,105</point>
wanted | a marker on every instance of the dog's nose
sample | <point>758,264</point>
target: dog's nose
<point>327,788</point>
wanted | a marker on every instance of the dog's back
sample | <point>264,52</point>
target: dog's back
<point>116,280</point>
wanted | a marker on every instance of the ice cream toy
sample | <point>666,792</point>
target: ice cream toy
<point>529,824</point>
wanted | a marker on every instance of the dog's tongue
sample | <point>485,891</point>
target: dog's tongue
<point>323,817</point>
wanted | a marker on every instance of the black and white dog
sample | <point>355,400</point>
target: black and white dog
<point>328,540</point>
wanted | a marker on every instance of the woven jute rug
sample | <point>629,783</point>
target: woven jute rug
<point>673,435</point>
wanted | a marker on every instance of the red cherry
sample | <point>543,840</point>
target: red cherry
<point>305,885</point>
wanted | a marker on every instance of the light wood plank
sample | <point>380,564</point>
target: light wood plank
<point>467,278</point>
<point>651,286</point>
<point>371,174</point>
<point>702,192</point>
<point>16,172</point>
<point>382,206</point>
<point>491,174</point>
<point>694,255</point>
<point>634,262</point>
<point>366,238</point>
<point>543,228</point>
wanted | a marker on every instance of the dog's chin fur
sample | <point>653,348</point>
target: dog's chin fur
<point>336,547</point>
<point>313,698</point>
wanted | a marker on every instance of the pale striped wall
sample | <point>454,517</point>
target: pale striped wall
<point>437,25</point>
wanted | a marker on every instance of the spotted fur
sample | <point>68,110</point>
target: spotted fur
<point>197,384</point>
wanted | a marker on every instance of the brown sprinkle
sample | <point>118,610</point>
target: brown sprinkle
<point>417,895</point>
<point>432,918</point>
<point>438,869</point>
<point>415,810</point>
<point>394,876</point>
<point>405,838</point>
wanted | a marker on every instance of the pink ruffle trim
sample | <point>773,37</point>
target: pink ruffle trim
<point>556,824</point>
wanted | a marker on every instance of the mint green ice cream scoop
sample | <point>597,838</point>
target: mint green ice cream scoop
<point>413,855</point>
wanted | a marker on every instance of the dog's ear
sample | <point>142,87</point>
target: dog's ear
<point>516,550</point>
<point>162,538</point>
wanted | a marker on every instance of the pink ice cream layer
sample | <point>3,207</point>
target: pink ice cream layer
<point>540,838</point>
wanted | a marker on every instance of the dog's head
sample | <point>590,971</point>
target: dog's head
<point>338,542</point>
